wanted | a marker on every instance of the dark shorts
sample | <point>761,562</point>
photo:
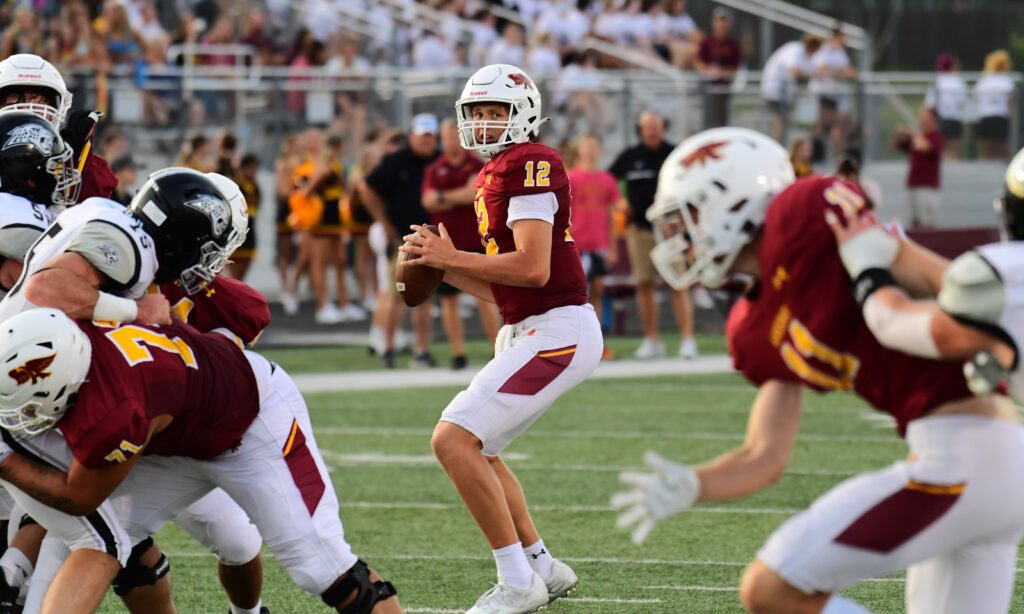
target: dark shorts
<point>828,103</point>
<point>994,128</point>
<point>281,215</point>
<point>330,219</point>
<point>777,107</point>
<point>951,128</point>
<point>248,248</point>
<point>594,265</point>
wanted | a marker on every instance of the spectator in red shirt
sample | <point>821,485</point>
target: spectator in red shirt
<point>595,193</point>
<point>717,60</point>
<point>923,176</point>
<point>448,192</point>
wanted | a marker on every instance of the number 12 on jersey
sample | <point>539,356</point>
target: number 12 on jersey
<point>540,179</point>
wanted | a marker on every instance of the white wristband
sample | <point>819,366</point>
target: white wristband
<point>114,308</point>
<point>872,249</point>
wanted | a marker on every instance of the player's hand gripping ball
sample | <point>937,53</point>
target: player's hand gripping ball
<point>417,281</point>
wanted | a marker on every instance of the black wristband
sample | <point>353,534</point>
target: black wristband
<point>869,281</point>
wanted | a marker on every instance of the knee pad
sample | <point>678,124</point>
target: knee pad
<point>356,581</point>
<point>135,574</point>
<point>234,539</point>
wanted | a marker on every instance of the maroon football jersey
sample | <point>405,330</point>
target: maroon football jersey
<point>202,380</point>
<point>520,170</point>
<point>224,303</point>
<point>801,324</point>
<point>460,221</point>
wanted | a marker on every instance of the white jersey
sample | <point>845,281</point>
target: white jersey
<point>21,223</point>
<point>985,288</point>
<point>102,232</point>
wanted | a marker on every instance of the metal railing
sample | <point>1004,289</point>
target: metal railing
<point>263,103</point>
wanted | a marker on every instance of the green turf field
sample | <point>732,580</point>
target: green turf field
<point>403,516</point>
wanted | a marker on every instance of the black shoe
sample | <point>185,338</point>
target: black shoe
<point>8,597</point>
<point>423,360</point>
<point>263,610</point>
<point>458,363</point>
<point>388,358</point>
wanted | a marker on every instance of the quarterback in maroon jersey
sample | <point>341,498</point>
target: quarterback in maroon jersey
<point>952,515</point>
<point>551,340</point>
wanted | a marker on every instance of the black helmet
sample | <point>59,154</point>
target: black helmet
<point>1011,205</point>
<point>35,162</point>
<point>190,220</point>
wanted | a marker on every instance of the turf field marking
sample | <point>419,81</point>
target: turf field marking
<point>695,588</point>
<point>432,610</point>
<point>430,505</point>
<point>394,380</point>
<point>575,434</point>
<point>609,600</point>
<point>373,459</point>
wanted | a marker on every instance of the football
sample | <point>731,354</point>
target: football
<point>417,284</point>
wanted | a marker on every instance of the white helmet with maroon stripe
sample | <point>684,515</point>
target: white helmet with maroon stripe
<point>503,84</point>
<point>713,192</point>
<point>46,358</point>
<point>25,71</point>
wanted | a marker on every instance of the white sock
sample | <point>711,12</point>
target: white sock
<point>16,567</point>
<point>256,610</point>
<point>512,566</point>
<point>539,558</point>
<point>841,605</point>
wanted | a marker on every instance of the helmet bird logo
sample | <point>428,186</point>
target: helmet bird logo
<point>214,208</point>
<point>703,154</point>
<point>34,370</point>
<point>30,134</point>
<point>518,79</point>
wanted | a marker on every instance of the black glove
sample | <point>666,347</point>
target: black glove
<point>79,128</point>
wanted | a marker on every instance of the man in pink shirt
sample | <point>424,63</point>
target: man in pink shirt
<point>595,193</point>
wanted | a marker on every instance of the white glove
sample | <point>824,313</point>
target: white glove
<point>671,489</point>
<point>504,339</point>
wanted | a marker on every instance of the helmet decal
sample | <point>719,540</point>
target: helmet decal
<point>31,134</point>
<point>34,370</point>
<point>703,154</point>
<point>214,208</point>
<point>519,79</point>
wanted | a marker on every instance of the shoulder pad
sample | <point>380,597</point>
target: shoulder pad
<point>972,289</point>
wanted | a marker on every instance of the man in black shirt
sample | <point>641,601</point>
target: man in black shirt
<point>392,196</point>
<point>637,171</point>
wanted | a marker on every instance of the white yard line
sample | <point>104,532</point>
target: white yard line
<point>430,505</point>
<point>435,378</point>
<point>695,588</point>
<point>583,434</point>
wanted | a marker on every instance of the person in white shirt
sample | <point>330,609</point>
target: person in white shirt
<point>789,64</point>
<point>831,79</point>
<point>678,34</point>
<point>566,24</point>
<point>510,48</point>
<point>992,95</point>
<point>948,96</point>
<point>433,51</point>
<point>542,58</point>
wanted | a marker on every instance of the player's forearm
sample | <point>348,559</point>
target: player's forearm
<point>471,285</point>
<point>45,484</point>
<point>518,268</point>
<point>739,473</point>
<point>63,290</point>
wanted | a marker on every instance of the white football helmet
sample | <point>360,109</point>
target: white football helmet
<point>506,84</point>
<point>27,70</point>
<point>46,357</point>
<point>713,191</point>
<point>239,210</point>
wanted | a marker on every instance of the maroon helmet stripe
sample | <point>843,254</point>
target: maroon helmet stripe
<point>540,371</point>
<point>900,516</point>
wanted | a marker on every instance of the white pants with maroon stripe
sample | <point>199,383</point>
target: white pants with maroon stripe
<point>276,475</point>
<point>953,516</point>
<point>536,361</point>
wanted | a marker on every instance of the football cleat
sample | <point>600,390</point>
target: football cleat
<point>561,582</point>
<point>504,599</point>
<point>650,348</point>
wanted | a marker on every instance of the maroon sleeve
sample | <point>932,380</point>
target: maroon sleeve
<point>224,303</point>
<point>428,176</point>
<point>733,58</point>
<point>97,178</point>
<point>704,51</point>
<point>936,140</point>
<point>533,169</point>
<point>113,440</point>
